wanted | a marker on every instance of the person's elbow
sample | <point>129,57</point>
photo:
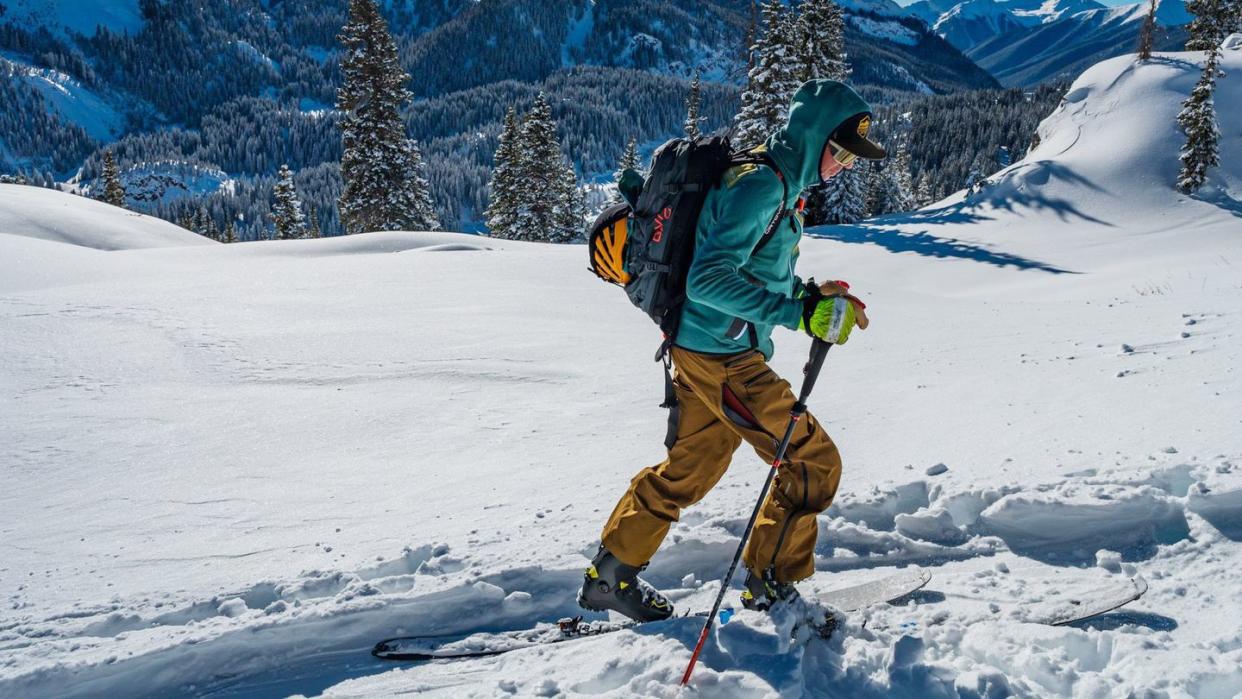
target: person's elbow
<point>698,283</point>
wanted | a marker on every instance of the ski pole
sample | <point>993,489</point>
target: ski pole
<point>819,350</point>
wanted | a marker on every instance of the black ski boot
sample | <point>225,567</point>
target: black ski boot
<point>763,591</point>
<point>611,584</point>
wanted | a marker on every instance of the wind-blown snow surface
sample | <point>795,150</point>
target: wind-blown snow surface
<point>228,470</point>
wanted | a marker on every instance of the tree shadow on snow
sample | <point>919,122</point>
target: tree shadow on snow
<point>928,245</point>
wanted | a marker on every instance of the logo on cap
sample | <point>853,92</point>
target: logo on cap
<point>864,126</point>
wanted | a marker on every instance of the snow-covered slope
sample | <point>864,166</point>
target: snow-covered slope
<point>229,470</point>
<point>50,215</point>
<point>70,99</point>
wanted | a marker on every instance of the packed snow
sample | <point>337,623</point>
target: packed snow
<point>230,469</point>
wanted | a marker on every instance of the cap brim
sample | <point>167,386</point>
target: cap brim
<point>849,135</point>
<point>862,147</point>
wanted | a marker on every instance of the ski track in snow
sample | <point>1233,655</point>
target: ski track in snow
<point>276,637</point>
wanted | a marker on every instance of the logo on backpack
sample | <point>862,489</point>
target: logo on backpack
<point>660,218</point>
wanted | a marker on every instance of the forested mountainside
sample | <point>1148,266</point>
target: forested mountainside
<point>203,102</point>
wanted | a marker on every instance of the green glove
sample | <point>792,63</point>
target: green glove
<point>829,318</point>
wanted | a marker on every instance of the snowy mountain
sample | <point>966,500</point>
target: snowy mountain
<point>1023,42</point>
<point>1063,47</point>
<point>226,470</point>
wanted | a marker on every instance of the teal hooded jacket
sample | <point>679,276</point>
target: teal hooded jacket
<point>733,299</point>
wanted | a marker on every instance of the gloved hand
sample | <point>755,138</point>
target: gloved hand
<point>830,312</point>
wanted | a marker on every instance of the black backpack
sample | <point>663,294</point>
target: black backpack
<point>647,249</point>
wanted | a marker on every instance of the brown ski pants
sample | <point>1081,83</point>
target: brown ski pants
<point>723,400</point>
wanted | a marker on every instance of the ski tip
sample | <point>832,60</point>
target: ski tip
<point>1140,585</point>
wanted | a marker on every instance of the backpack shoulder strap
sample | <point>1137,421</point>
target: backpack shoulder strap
<point>762,158</point>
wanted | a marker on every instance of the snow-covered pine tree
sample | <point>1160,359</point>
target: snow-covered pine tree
<point>923,195</point>
<point>113,190</point>
<point>899,190</point>
<point>414,200</point>
<point>629,159</point>
<point>570,209</point>
<point>1213,21</point>
<point>503,189</point>
<point>876,198</point>
<point>230,232</point>
<point>820,41</point>
<point>542,182</point>
<point>1198,121</point>
<point>693,98</point>
<point>380,167</point>
<point>312,227</point>
<point>1147,33</point>
<point>287,208</point>
<point>845,195</point>
<point>771,82</point>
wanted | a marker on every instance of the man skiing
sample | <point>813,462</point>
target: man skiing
<point>726,393</point>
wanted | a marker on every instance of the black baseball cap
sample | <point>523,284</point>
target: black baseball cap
<point>852,136</point>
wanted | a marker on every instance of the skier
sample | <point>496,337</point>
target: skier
<point>726,392</point>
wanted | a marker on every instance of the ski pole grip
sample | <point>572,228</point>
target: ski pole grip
<point>819,350</point>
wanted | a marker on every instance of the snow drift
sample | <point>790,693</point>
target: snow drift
<point>46,214</point>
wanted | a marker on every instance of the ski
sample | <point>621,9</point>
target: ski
<point>1072,608</point>
<point>887,589</point>
<point>494,643</point>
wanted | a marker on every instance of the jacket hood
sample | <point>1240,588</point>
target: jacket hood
<point>817,109</point>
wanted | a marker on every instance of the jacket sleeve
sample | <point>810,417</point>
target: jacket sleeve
<point>732,224</point>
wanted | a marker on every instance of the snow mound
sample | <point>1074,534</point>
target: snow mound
<point>1109,152</point>
<point>65,218</point>
<point>376,243</point>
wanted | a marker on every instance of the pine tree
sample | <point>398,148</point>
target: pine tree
<point>312,228</point>
<point>113,190</point>
<point>845,195</point>
<point>230,232</point>
<point>414,200</point>
<point>541,197</point>
<point>923,195</point>
<point>570,211</point>
<point>771,82</point>
<point>629,159</point>
<point>899,190</point>
<point>875,201</point>
<point>287,208</point>
<point>820,41</point>
<point>1198,121</point>
<point>505,186</point>
<point>1147,33</point>
<point>381,168</point>
<point>692,108</point>
<point>1213,21</point>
